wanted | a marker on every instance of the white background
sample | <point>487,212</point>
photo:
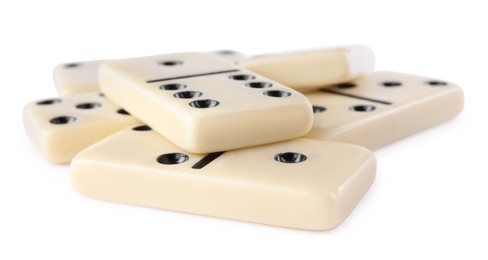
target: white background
<point>430,198</point>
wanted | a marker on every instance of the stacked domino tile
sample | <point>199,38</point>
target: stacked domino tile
<point>261,111</point>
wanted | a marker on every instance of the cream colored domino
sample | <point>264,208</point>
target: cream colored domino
<point>76,78</point>
<point>307,70</point>
<point>204,104</point>
<point>62,127</point>
<point>82,77</point>
<point>301,183</point>
<point>382,107</point>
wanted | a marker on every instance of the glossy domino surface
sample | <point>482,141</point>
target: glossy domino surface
<point>76,78</point>
<point>82,76</point>
<point>382,107</point>
<point>62,127</point>
<point>205,104</point>
<point>309,69</point>
<point>302,183</point>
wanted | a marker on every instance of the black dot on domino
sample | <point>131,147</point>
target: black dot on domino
<point>171,63</point>
<point>88,105</point>
<point>277,93</point>
<point>242,77</point>
<point>72,65</point>
<point>172,86</point>
<point>345,85</point>
<point>142,128</point>
<point>259,85</point>
<point>318,109</point>
<point>63,120</point>
<point>123,112</point>
<point>226,52</point>
<point>290,157</point>
<point>188,94</point>
<point>391,84</point>
<point>204,103</point>
<point>362,108</point>
<point>172,158</point>
<point>49,102</point>
<point>436,83</point>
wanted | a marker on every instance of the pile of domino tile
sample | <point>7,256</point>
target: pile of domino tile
<point>279,139</point>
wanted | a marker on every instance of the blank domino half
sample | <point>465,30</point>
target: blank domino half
<point>301,183</point>
<point>62,127</point>
<point>204,104</point>
<point>382,107</point>
<point>306,70</point>
<point>82,77</point>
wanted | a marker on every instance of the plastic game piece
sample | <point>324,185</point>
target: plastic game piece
<point>382,107</point>
<point>204,104</point>
<point>301,183</point>
<point>62,127</point>
<point>310,69</point>
<point>75,78</point>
